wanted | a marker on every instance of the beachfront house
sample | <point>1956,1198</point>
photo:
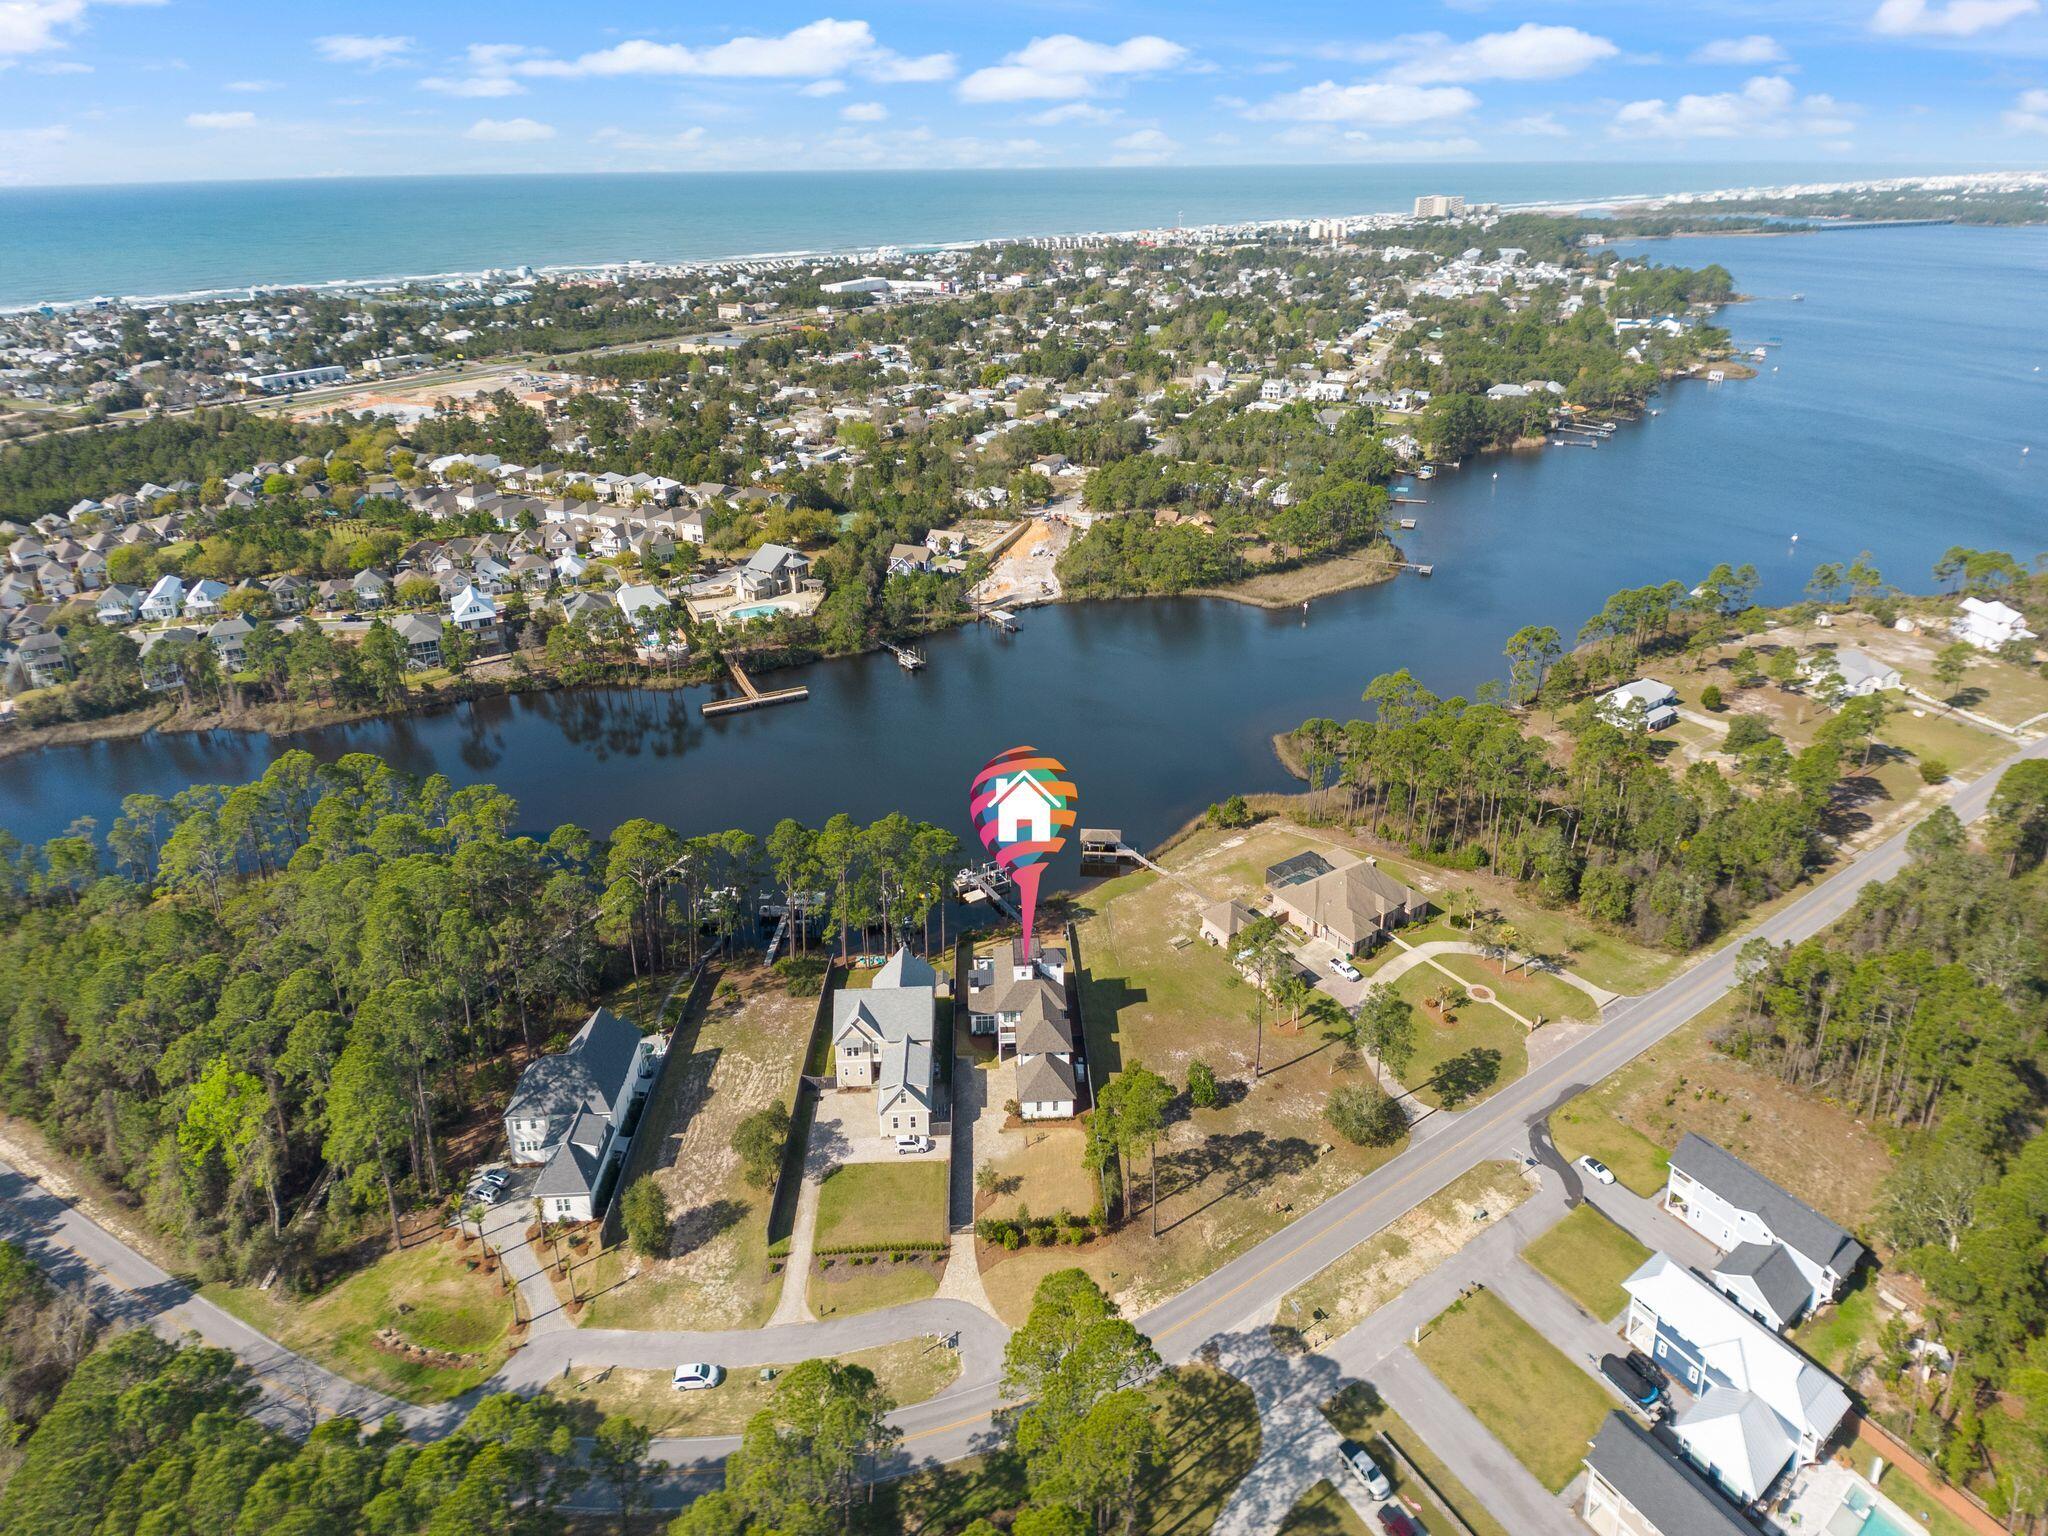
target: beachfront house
<point>1652,703</point>
<point>1346,901</point>
<point>473,612</point>
<point>1783,1258</point>
<point>1758,1405</point>
<point>1988,626</point>
<point>570,1110</point>
<point>882,1040</point>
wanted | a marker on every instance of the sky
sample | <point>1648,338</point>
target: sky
<point>100,91</point>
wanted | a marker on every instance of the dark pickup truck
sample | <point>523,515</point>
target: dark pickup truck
<point>1633,1384</point>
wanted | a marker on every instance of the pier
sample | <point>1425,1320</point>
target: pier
<point>751,697</point>
<point>1410,565</point>
<point>909,658</point>
<point>1002,618</point>
<point>1409,501</point>
<point>988,882</point>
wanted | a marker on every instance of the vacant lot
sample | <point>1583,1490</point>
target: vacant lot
<point>741,1055</point>
<point>840,1287</point>
<point>425,1295</point>
<point>1498,1366</point>
<point>910,1372</point>
<point>1815,1149</point>
<point>874,1204</point>
<point>1329,1304</point>
<point>1210,1424</point>
<point>1582,1129</point>
<point>1358,1413</point>
<point>1039,1168</point>
<point>1536,995</point>
<point>1587,1257</point>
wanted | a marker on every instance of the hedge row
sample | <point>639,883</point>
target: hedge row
<point>906,1247</point>
<point>1038,1232</point>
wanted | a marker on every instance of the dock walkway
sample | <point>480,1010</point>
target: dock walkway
<point>751,697</point>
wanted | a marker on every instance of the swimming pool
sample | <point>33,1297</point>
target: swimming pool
<point>753,611</point>
<point>1862,1515</point>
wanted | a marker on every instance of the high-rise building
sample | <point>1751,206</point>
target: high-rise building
<point>1439,206</point>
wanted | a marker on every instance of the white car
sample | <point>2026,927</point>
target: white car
<point>1596,1170</point>
<point>1344,968</point>
<point>1367,1471</point>
<point>695,1376</point>
<point>906,1145</point>
<point>485,1188</point>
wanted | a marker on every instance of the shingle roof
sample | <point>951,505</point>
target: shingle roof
<point>594,1072</point>
<point>1045,1080</point>
<point>1792,1221</point>
<point>1774,1273</point>
<point>1671,1495</point>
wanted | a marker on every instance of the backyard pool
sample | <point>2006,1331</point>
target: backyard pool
<point>1864,1514</point>
<point>754,611</point>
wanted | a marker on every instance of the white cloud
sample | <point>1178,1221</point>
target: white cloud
<point>31,26</point>
<point>1753,49</point>
<point>1382,103</point>
<point>2029,113</point>
<point>354,48</point>
<point>508,130</point>
<point>220,121</point>
<point>60,67</point>
<point>1064,66</point>
<point>822,88</point>
<point>1957,18</point>
<point>689,138</point>
<point>815,50</point>
<point>1530,52</point>
<point>1147,146</point>
<point>473,85</point>
<point>252,87</point>
<point>864,112</point>
<point>1766,107</point>
<point>1358,144</point>
<point>1073,112</point>
<point>1538,125</point>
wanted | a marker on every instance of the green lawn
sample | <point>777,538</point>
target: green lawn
<point>1908,1495</point>
<point>1587,1257</point>
<point>424,1293</point>
<point>1532,994</point>
<point>876,1203</point>
<point>1323,1511</point>
<point>1498,1366</point>
<point>1210,1425</point>
<point>1846,1331</point>
<point>1476,1027</point>
<point>1358,1413</point>
<point>1582,1129</point>
<point>847,1287</point>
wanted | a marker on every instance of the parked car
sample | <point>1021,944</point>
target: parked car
<point>1367,1471</point>
<point>1646,1368</point>
<point>1596,1170</point>
<point>486,1187</point>
<point>1344,968</point>
<point>695,1376</point>
<point>909,1144</point>
<point>1395,1522</point>
<point>1633,1385</point>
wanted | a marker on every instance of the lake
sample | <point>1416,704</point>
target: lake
<point>1905,389</point>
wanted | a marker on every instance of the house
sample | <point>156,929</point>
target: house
<point>473,611</point>
<point>287,594</point>
<point>372,588</point>
<point>1655,704</point>
<point>166,600</point>
<point>1638,1486</point>
<point>1223,921</point>
<point>203,599</point>
<point>1022,1001</point>
<point>905,558</point>
<point>643,606</point>
<point>1862,674</point>
<point>882,1039</point>
<point>119,605</point>
<point>1988,625</point>
<point>155,655</point>
<point>773,569</point>
<point>569,1112</point>
<point>1024,809</point>
<point>1783,1257</point>
<point>1342,898</point>
<point>230,641</point>
<point>42,661</point>
<point>420,634</point>
<point>1758,1404</point>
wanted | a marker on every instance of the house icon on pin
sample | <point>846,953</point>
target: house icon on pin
<point>1023,811</point>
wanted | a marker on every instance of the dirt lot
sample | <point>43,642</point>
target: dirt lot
<point>1024,573</point>
<point>743,1055</point>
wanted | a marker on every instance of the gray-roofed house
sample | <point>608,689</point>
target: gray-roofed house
<point>1223,921</point>
<point>569,1113</point>
<point>1022,1001</point>
<point>1737,1209</point>
<point>882,1039</point>
<point>420,634</point>
<point>1636,1486</point>
<point>1340,897</point>
<point>772,570</point>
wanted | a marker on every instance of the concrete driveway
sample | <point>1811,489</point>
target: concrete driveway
<point>845,1123</point>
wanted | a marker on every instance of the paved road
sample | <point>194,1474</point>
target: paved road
<point>957,1423</point>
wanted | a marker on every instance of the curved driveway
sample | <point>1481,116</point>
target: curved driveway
<point>959,1421</point>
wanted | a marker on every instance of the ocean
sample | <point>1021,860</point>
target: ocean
<point>64,244</point>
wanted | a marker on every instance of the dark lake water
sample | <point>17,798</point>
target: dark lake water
<point>1905,392</point>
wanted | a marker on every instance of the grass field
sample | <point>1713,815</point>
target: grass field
<point>740,1054</point>
<point>1497,1365</point>
<point>1845,1332</point>
<point>1581,1129</point>
<point>1323,1511</point>
<point>1210,1424</point>
<point>1587,1257</point>
<point>910,1372</point>
<point>1330,1302</point>
<point>1907,1494</point>
<point>1532,994</point>
<point>423,1292</point>
<point>1357,1412</point>
<point>876,1203</point>
<point>1475,1027</point>
<point>847,1287</point>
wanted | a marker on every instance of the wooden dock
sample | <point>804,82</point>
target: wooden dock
<point>1409,501</point>
<point>751,697</point>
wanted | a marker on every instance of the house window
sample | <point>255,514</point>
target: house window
<point>895,1123</point>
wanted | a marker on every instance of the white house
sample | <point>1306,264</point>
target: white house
<point>1022,1000</point>
<point>569,1111</point>
<point>472,610</point>
<point>1758,1404</point>
<point>882,1039</point>
<point>1988,625</point>
<point>203,600</point>
<point>166,600</point>
<point>1783,1257</point>
<point>1659,703</point>
<point>1023,810</point>
<point>1862,674</point>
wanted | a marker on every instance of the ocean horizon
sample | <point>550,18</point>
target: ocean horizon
<point>61,245</point>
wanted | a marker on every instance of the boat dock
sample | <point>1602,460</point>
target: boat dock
<point>751,697</point>
<point>1409,501</point>
<point>909,658</point>
<point>1002,618</point>
<point>987,882</point>
<point>1410,565</point>
<point>1407,522</point>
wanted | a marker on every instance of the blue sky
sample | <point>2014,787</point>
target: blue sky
<point>168,90</point>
